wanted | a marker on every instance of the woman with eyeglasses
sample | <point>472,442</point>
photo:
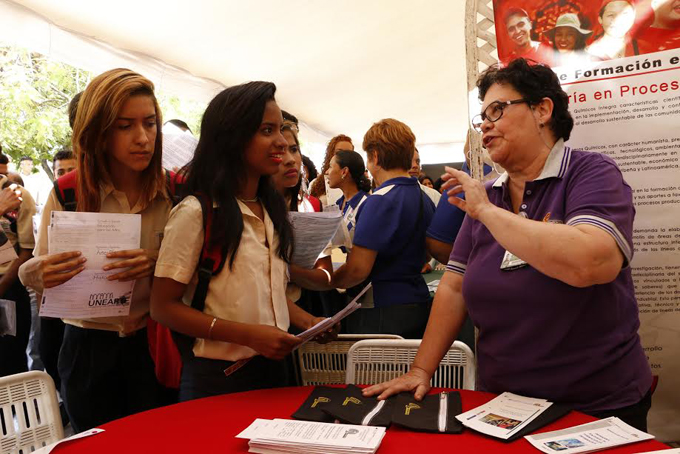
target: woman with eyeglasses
<point>541,263</point>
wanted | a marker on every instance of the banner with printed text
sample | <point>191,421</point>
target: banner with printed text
<point>619,61</point>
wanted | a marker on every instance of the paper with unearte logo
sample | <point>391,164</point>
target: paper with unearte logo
<point>90,294</point>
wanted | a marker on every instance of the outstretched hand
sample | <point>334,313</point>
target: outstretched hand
<point>476,199</point>
<point>416,381</point>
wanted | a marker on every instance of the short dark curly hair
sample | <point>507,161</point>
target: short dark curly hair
<point>534,82</point>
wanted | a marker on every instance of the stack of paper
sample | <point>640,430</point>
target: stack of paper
<point>312,232</point>
<point>289,436</point>
<point>505,415</point>
<point>589,437</point>
<point>90,294</point>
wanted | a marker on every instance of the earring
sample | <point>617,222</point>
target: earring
<point>343,177</point>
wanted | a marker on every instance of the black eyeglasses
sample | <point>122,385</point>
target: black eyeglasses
<point>493,112</point>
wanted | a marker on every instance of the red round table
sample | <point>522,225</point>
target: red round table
<point>210,425</point>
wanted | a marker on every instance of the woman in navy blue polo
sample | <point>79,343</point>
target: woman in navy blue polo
<point>541,262</point>
<point>389,238</point>
<point>347,173</point>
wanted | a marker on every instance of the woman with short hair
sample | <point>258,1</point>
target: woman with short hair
<point>546,245</point>
<point>389,238</point>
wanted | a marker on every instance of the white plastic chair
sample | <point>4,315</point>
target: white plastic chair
<point>374,361</point>
<point>29,412</point>
<point>326,364</point>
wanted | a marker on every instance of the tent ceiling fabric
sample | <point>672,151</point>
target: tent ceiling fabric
<point>339,66</point>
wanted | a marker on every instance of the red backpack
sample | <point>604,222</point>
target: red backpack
<point>162,341</point>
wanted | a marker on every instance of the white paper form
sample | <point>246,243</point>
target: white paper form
<point>505,415</point>
<point>49,448</point>
<point>588,437</point>
<point>90,294</point>
<point>327,323</point>
<point>312,233</point>
<point>178,149</point>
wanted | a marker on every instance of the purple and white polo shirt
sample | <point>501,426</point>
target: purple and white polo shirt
<point>539,336</point>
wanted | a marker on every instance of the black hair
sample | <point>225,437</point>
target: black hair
<point>66,153</point>
<point>26,158</point>
<point>424,177</point>
<point>289,117</point>
<point>357,170</point>
<point>438,184</point>
<point>311,168</point>
<point>180,124</point>
<point>3,158</point>
<point>218,167</point>
<point>73,108</point>
<point>534,82</point>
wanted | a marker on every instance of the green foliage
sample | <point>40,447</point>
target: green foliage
<point>34,97</point>
<point>35,92</point>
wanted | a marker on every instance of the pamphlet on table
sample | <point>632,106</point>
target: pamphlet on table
<point>593,436</point>
<point>312,232</point>
<point>90,294</point>
<point>291,436</point>
<point>505,415</point>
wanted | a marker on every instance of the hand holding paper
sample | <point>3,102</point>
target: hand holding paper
<point>140,263</point>
<point>60,268</point>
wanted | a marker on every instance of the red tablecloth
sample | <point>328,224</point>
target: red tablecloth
<point>210,425</point>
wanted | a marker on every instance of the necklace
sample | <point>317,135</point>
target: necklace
<point>248,200</point>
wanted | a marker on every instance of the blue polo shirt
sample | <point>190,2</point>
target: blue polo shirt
<point>448,218</point>
<point>393,221</point>
<point>539,336</point>
<point>348,211</point>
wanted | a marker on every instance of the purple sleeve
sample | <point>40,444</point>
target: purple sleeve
<point>597,195</point>
<point>461,248</point>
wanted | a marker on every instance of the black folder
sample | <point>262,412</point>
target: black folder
<point>423,415</point>
<point>311,409</point>
<point>354,408</point>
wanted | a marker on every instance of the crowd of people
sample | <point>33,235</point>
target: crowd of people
<point>547,244</point>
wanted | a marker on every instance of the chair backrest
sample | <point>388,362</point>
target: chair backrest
<point>29,412</point>
<point>374,361</point>
<point>325,364</point>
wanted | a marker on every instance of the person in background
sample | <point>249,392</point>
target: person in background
<point>246,313</point>
<point>617,18</point>
<point>104,364</point>
<point>309,169</point>
<point>518,26</point>
<point>63,162</point>
<point>557,226</point>
<point>415,172</point>
<point>318,188</point>
<point>664,33</point>
<point>17,225</point>
<point>569,40</point>
<point>389,238</point>
<point>180,124</point>
<point>288,181</point>
<point>426,181</point>
<point>73,108</point>
<point>4,163</point>
<point>347,173</point>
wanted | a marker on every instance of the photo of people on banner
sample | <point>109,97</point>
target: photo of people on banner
<point>566,32</point>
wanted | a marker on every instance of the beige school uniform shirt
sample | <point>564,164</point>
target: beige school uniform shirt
<point>252,291</point>
<point>24,234</point>
<point>154,216</point>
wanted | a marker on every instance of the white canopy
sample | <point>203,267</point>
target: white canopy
<point>339,65</point>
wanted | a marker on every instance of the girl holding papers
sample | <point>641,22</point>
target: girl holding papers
<point>246,313</point>
<point>104,363</point>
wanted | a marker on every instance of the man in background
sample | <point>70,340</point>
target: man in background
<point>518,25</point>
<point>63,162</point>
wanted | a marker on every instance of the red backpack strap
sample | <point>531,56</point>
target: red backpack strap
<point>212,258</point>
<point>174,183</point>
<point>65,190</point>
